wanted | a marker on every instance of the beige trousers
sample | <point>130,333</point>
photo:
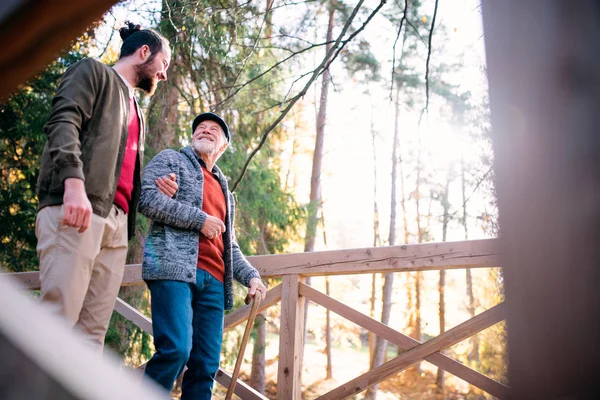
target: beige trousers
<point>81,273</point>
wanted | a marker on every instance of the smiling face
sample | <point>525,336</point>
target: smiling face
<point>209,139</point>
<point>152,70</point>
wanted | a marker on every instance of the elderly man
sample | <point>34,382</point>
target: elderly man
<point>191,258</point>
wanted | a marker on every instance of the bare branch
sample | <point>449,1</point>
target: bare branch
<point>241,86</point>
<point>253,49</point>
<point>426,109</point>
<point>355,33</point>
<point>416,31</point>
<point>477,185</point>
<point>112,32</point>
<point>329,57</point>
<point>394,49</point>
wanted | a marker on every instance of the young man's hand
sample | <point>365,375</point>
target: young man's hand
<point>212,227</point>
<point>77,206</point>
<point>167,184</point>
<point>256,285</point>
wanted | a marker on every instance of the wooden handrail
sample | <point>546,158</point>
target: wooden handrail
<point>413,257</point>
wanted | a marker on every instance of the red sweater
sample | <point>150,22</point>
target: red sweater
<point>125,186</point>
<point>210,252</point>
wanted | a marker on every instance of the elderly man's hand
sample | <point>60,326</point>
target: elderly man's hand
<point>256,285</point>
<point>212,227</point>
<point>167,184</point>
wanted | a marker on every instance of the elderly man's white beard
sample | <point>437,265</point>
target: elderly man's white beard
<point>204,147</point>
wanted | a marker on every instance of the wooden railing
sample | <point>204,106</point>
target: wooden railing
<point>293,292</point>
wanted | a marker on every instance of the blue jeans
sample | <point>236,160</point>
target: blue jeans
<point>187,320</point>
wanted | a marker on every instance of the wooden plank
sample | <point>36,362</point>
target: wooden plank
<point>132,276</point>
<point>49,29</point>
<point>414,257</point>
<point>405,360</point>
<point>9,6</point>
<point>543,68</point>
<point>551,280</point>
<point>25,280</point>
<point>241,314</point>
<point>405,342</point>
<point>242,389</point>
<point>133,315</point>
<point>417,257</point>
<point>62,365</point>
<point>291,332</point>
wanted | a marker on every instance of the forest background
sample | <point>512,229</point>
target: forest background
<point>371,126</point>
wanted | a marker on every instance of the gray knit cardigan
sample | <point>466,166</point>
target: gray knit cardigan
<point>171,249</point>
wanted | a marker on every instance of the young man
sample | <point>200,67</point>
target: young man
<point>89,182</point>
<point>191,258</point>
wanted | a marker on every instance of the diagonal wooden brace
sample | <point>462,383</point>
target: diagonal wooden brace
<point>404,342</point>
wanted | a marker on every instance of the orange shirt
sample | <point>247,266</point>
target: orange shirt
<point>210,252</point>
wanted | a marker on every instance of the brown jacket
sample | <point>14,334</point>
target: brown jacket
<point>87,133</point>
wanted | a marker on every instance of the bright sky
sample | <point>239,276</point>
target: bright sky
<point>348,164</point>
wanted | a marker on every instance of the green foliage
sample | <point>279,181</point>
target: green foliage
<point>219,58</point>
<point>125,338</point>
<point>359,58</point>
<point>22,118</point>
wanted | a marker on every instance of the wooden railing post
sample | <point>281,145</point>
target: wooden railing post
<point>291,337</point>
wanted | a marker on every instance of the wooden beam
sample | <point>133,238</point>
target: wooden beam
<point>133,315</point>
<point>414,257</point>
<point>132,275</point>
<point>241,314</point>
<point>242,389</point>
<point>543,64</point>
<point>24,280</point>
<point>291,332</point>
<point>405,342</point>
<point>417,257</point>
<point>416,354</point>
<point>33,33</point>
<point>62,365</point>
<point>31,280</point>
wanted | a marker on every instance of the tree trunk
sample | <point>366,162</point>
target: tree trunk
<point>329,374</point>
<point>442,282</point>
<point>473,356</point>
<point>163,111</point>
<point>257,373</point>
<point>379,351</point>
<point>418,274</point>
<point>376,238</point>
<point>315,180</point>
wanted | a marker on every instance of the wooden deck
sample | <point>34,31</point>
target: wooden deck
<point>292,293</point>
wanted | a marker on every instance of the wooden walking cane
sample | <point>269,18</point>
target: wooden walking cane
<point>238,363</point>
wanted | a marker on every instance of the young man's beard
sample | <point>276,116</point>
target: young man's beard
<point>146,79</point>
